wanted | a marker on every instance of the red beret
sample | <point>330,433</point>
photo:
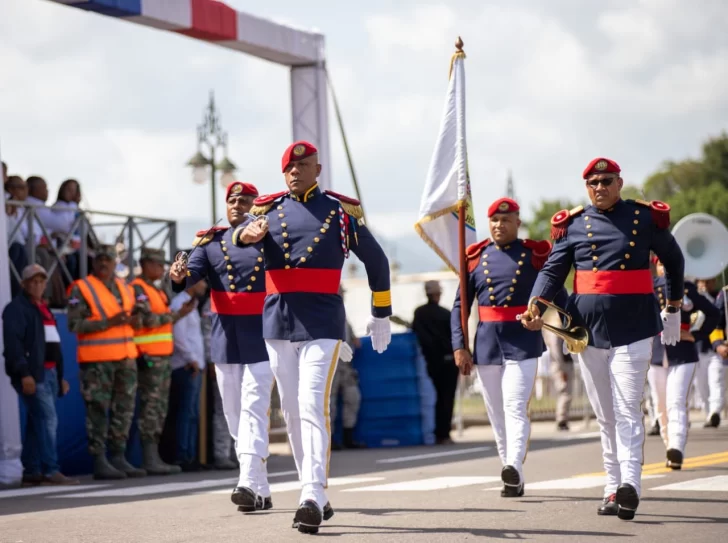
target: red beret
<point>503,205</point>
<point>601,165</point>
<point>297,151</point>
<point>237,187</point>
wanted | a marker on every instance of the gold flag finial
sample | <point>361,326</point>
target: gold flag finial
<point>459,44</point>
<point>459,53</point>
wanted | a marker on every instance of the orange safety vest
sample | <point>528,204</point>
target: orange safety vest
<point>157,341</point>
<point>115,343</point>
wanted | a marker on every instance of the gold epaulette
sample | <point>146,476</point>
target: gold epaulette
<point>261,209</point>
<point>576,210</point>
<point>202,240</point>
<point>354,210</point>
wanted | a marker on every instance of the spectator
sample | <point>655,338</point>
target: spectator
<point>431,325</point>
<point>5,173</point>
<point>188,361</point>
<point>15,189</point>
<point>562,374</point>
<point>34,363</point>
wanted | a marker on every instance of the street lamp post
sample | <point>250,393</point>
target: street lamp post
<point>211,134</point>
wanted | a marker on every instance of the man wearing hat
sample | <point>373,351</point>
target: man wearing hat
<point>101,312</point>
<point>431,325</point>
<point>608,244</point>
<point>156,345</point>
<point>501,273</point>
<point>237,290</point>
<point>307,234</point>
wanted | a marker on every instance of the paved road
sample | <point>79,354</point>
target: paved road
<point>446,493</point>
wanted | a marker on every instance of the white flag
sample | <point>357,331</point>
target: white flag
<point>448,184</point>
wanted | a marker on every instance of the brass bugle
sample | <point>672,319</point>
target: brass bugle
<point>576,338</point>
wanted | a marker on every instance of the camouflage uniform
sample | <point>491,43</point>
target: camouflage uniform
<point>105,386</point>
<point>346,381</point>
<point>155,374</point>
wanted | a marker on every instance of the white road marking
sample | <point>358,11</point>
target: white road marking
<point>436,483</point>
<point>396,459</point>
<point>154,489</point>
<point>276,488</point>
<point>571,437</point>
<point>573,483</point>
<point>40,490</point>
<point>718,483</point>
<point>282,473</point>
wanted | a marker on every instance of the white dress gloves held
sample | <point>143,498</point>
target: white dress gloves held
<point>671,327</point>
<point>345,352</point>
<point>380,331</point>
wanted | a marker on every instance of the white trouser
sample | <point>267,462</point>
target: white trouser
<point>304,371</point>
<point>506,390</point>
<point>710,381</point>
<point>246,391</point>
<point>615,382</point>
<point>670,388</point>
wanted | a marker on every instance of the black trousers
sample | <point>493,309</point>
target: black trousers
<point>444,376</point>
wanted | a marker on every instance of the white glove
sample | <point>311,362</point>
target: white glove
<point>380,331</point>
<point>345,352</point>
<point>671,327</point>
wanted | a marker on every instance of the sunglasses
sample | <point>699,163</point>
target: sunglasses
<point>594,183</point>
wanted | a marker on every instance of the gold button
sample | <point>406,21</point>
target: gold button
<point>317,239</point>
<point>323,230</point>
<point>229,267</point>
<point>485,263</point>
<point>309,249</point>
<point>257,268</point>
<point>512,289</point>
<point>288,267</point>
<point>490,289</point>
<point>260,259</point>
<point>488,280</point>
<point>634,232</point>
<point>594,269</point>
<point>252,277</point>
<point>586,218</point>
<point>513,281</point>
<point>303,259</point>
<point>226,257</point>
<point>508,298</point>
<point>588,225</point>
<point>249,287</point>
<point>280,207</point>
<point>631,243</point>
<point>232,287</point>
<point>523,255</point>
<point>231,277</point>
<point>520,262</point>
<point>486,272</point>
<point>636,211</point>
<point>328,220</point>
<point>505,305</point>
<point>224,248</point>
<point>485,255</point>
<point>636,221</point>
<point>622,266</point>
<point>518,272</point>
<point>285,234</point>
<point>287,255</point>
<point>284,224</point>
<point>594,247</point>
<point>508,246</point>
<point>222,241</point>
<point>281,215</point>
<point>285,245</point>
<point>332,212</point>
<point>594,257</point>
<point>626,256</point>
<point>589,235</point>
<point>262,250</point>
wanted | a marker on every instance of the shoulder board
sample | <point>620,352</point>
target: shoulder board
<point>540,251</point>
<point>205,236</point>
<point>473,252</point>
<point>351,206</point>
<point>660,212</point>
<point>262,204</point>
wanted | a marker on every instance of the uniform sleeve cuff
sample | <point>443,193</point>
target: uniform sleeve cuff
<point>382,298</point>
<point>382,312</point>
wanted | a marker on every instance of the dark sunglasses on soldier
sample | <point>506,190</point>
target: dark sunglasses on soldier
<point>594,183</point>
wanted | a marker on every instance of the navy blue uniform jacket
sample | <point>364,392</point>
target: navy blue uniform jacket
<point>613,293</point>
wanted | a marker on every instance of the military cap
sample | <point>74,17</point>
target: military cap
<point>601,165</point>
<point>155,255</point>
<point>108,251</point>
<point>297,151</point>
<point>503,205</point>
<point>238,187</point>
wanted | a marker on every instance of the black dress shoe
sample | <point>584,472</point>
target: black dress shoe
<point>261,504</point>
<point>308,517</point>
<point>513,487</point>
<point>563,426</point>
<point>328,513</point>
<point>674,459</point>
<point>714,421</point>
<point>244,498</point>
<point>627,501</point>
<point>609,506</point>
<point>655,430</point>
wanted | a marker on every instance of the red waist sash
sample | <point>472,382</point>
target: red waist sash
<point>613,282</point>
<point>685,326</point>
<point>237,303</point>
<point>313,280</point>
<point>500,314</point>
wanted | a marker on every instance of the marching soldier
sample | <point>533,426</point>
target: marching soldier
<point>101,311</point>
<point>307,234</point>
<point>710,376</point>
<point>244,377</point>
<point>501,272</point>
<point>609,245</point>
<point>670,385</point>
<point>155,344</point>
<point>716,376</point>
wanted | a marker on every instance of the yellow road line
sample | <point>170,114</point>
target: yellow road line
<point>659,467</point>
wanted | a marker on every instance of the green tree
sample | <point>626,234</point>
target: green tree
<point>540,226</point>
<point>630,192</point>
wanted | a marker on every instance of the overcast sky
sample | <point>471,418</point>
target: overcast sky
<point>550,85</point>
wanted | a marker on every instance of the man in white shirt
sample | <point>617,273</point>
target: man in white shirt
<point>188,361</point>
